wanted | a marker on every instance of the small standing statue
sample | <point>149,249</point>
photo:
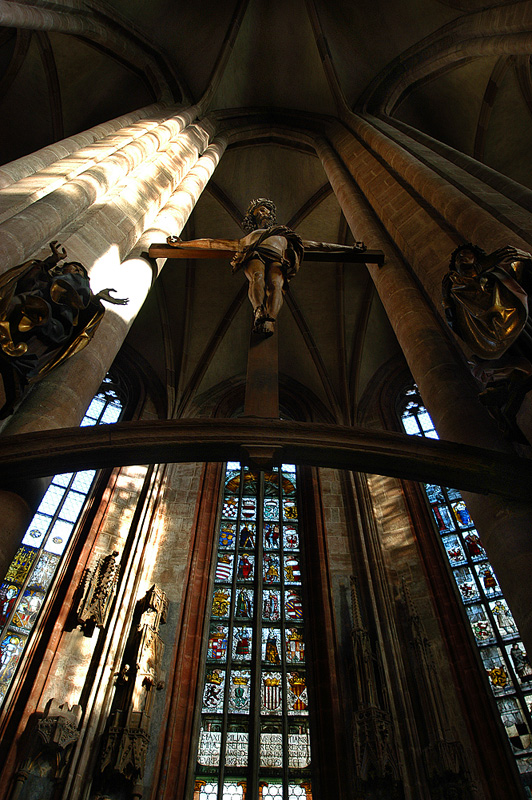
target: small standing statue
<point>47,313</point>
<point>485,297</point>
<point>270,256</point>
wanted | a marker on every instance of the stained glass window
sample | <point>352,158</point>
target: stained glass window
<point>506,664</point>
<point>23,591</point>
<point>254,732</point>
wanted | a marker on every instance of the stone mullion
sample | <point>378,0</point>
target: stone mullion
<point>449,394</point>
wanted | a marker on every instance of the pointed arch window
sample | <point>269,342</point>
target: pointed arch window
<point>506,664</point>
<point>254,738</point>
<point>31,573</point>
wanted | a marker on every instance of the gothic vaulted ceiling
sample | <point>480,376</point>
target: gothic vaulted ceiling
<point>457,70</point>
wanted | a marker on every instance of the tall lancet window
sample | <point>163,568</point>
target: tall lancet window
<point>506,664</point>
<point>30,575</point>
<point>254,730</point>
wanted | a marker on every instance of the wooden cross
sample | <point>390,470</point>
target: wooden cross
<point>262,378</point>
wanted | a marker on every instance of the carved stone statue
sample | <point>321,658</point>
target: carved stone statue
<point>270,256</point>
<point>47,313</point>
<point>485,299</point>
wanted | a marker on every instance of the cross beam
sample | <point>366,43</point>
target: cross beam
<point>470,468</point>
<point>347,256</point>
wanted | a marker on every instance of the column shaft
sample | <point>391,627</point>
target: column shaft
<point>61,398</point>
<point>28,230</point>
<point>19,195</point>
<point>28,165</point>
<point>505,527</point>
<point>426,216</point>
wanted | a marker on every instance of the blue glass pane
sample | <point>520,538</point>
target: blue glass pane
<point>95,408</point>
<point>410,425</point>
<point>72,506</point>
<point>110,415</point>
<point>63,479</point>
<point>36,530</point>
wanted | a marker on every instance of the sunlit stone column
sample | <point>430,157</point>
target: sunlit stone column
<point>31,228</point>
<point>60,400</point>
<point>448,392</point>
<point>157,201</point>
<point>15,171</point>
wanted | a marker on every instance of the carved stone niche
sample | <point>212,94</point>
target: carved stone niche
<point>48,753</point>
<point>99,588</point>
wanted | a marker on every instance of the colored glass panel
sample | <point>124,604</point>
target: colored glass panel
<point>271,606</point>
<point>506,664</point>
<point>254,688</point>
<point>271,693</point>
<point>213,694</point>
<point>239,691</point>
<point>236,749</point>
<point>210,743</point>
<point>224,568</point>
<point>272,536</point>
<point>227,535</point>
<point>31,572</point>
<point>218,639</point>
<point>242,644</point>
<point>297,693</point>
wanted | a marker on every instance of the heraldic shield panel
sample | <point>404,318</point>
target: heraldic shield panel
<point>254,728</point>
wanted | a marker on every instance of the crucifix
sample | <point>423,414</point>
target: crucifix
<point>270,255</point>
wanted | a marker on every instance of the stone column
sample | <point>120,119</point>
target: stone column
<point>165,191</point>
<point>60,204</point>
<point>448,391</point>
<point>139,120</point>
<point>60,399</point>
<point>425,214</point>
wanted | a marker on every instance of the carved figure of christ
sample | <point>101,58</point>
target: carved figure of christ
<point>270,255</point>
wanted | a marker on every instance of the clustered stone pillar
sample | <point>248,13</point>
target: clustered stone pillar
<point>443,380</point>
<point>106,217</point>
